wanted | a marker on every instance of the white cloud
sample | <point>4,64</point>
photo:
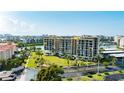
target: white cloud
<point>14,26</point>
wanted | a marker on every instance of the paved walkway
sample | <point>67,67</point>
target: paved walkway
<point>23,76</point>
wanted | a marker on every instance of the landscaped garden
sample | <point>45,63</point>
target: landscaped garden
<point>31,62</point>
<point>100,76</point>
<point>72,69</point>
<point>63,62</point>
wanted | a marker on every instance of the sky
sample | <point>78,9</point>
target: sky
<point>62,23</point>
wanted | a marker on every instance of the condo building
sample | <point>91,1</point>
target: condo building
<point>85,46</point>
<point>121,43</point>
<point>7,50</point>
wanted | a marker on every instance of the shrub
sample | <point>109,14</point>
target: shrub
<point>120,71</point>
<point>90,76</point>
<point>31,79</point>
<point>99,75</point>
<point>74,64</point>
<point>106,67</point>
<point>85,78</point>
<point>69,79</point>
<point>106,73</point>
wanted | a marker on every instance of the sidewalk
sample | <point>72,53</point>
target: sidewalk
<point>23,76</point>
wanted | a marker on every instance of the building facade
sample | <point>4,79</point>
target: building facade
<point>7,50</point>
<point>85,46</point>
<point>121,43</point>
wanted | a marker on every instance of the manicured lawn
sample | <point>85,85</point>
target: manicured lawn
<point>56,60</point>
<point>61,61</point>
<point>100,77</point>
<point>31,60</point>
<point>86,78</point>
<point>115,72</point>
<point>94,77</point>
<point>52,60</point>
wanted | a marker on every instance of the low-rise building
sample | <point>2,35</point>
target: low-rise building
<point>7,50</point>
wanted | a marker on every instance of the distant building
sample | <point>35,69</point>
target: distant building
<point>32,39</point>
<point>85,46</point>
<point>117,39</point>
<point>118,54</point>
<point>121,42</point>
<point>7,50</point>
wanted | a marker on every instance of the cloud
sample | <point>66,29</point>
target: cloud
<point>13,25</point>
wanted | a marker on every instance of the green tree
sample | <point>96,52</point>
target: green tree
<point>67,57</point>
<point>101,50</point>
<point>114,59</point>
<point>40,61</point>
<point>51,73</point>
<point>21,44</point>
<point>98,59</point>
<point>40,53</point>
<point>77,60</point>
<point>3,64</point>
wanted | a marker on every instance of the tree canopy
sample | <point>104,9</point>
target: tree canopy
<point>51,73</point>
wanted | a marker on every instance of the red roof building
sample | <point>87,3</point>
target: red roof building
<point>7,50</point>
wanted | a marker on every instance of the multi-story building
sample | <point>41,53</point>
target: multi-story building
<point>7,50</point>
<point>85,46</point>
<point>117,40</point>
<point>121,42</point>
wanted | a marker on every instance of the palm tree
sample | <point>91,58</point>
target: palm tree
<point>53,51</point>
<point>76,61</point>
<point>98,58</point>
<point>101,50</point>
<point>114,59</point>
<point>123,60</point>
<point>40,53</point>
<point>40,61</point>
<point>68,59</point>
<point>80,58</point>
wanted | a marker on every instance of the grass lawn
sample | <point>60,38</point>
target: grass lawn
<point>61,61</point>
<point>31,61</point>
<point>94,77</point>
<point>100,77</point>
<point>52,60</point>
<point>86,78</point>
<point>56,60</point>
<point>115,72</point>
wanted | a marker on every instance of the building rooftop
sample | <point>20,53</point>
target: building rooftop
<point>4,74</point>
<point>117,55</point>
<point>110,49</point>
<point>110,52</point>
<point>6,46</point>
<point>73,37</point>
<point>17,69</point>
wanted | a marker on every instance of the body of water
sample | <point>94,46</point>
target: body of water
<point>42,47</point>
<point>109,46</point>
